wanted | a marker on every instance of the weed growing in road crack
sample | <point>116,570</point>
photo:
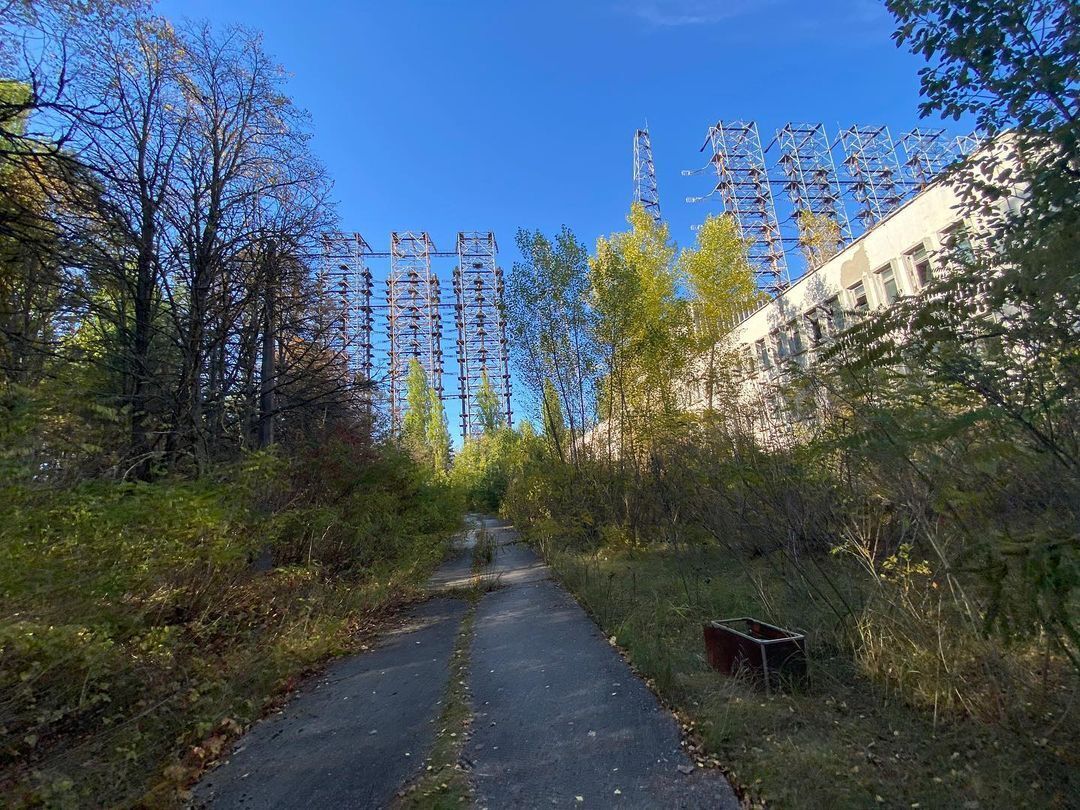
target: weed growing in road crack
<point>483,550</point>
<point>444,783</point>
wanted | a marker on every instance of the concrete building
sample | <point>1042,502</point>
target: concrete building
<point>898,256</point>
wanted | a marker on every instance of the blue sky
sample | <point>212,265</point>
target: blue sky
<point>448,116</point>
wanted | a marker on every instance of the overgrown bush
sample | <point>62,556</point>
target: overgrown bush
<point>141,620</point>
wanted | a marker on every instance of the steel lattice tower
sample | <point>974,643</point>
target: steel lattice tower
<point>875,179</point>
<point>929,152</point>
<point>345,283</point>
<point>645,190</point>
<point>809,176</point>
<point>414,327</point>
<point>742,182</point>
<point>481,327</point>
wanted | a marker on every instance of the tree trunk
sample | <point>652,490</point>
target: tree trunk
<point>267,370</point>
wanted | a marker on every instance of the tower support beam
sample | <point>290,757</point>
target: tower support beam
<point>346,305</point>
<point>414,326</point>
<point>742,184</point>
<point>645,189</point>
<point>481,328</point>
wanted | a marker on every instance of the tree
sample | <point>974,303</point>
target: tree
<point>641,329</point>
<point>438,434</point>
<point>166,201</point>
<point>424,431</point>
<point>983,365</point>
<point>819,237</point>
<point>553,420</point>
<point>489,405</point>
<point>1011,64</point>
<point>550,324</point>
<point>722,287</point>
<point>418,402</point>
<point>1007,62</point>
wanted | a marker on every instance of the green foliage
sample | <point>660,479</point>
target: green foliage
<point>438,434</point>
<point>488,405</point>
<point>550,324</point>
<point>144,624</point>
<point>553,420</point>
<point>1007,62</point>
<point>417,418</point>
<point>485,465</point>
<point>641,326</point>
<point>819,237</point>
<point>719,276</point>
<point>424,432</point>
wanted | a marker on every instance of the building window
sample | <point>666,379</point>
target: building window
<point>957,240</point>
<point>780,344</point>
<point>859,299</point>
<point>816,327</point>
<point>763,354</point>
<point>887,277</point>
<point>835,315</point>
<point>921,268</point>
<point>794,336</point>
<point>748,362</point>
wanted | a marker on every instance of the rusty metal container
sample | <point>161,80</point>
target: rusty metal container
<point>746,646</point>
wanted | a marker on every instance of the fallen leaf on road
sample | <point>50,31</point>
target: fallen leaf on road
<point>686,769</point>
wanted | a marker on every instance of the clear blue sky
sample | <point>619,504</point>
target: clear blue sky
<point>485,115</point>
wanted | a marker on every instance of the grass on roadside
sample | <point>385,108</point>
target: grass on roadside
<point>843,741</point>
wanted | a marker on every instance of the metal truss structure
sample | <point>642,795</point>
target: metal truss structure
<point>346,288</point>
<point>645,189</point>
<point>875,179</point>
<point>929,152</point>
<point>481,327</point>
<point>810,179</point>
<point>742,181</point>
<point>414,325</point>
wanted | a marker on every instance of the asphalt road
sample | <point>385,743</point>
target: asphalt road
<point>559,718</point>
<point>354,735</point>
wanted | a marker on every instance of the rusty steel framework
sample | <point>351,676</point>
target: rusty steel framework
<point>645,189</point>
<point>481,327</point>
<point>874,176</point>
<point>413,322</point>
<point>877,175</point>
<point>929,152</point>
<point>810,178</point>
<point>742,183</point>
<point>346,288</point>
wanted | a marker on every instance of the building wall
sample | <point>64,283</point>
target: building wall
<point>890,259</point>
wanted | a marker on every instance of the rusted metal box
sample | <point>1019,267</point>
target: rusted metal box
<point>751,646</point>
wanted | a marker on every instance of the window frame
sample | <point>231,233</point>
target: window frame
<point>762,348</point>
<point>856,307</point>
<point>879,277</point>
<point>912,265</point>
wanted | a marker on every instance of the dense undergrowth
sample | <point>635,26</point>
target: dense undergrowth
<point>145,624</point>
<point>912,701</point>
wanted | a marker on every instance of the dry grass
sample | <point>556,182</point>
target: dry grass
<point>857,736</point>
